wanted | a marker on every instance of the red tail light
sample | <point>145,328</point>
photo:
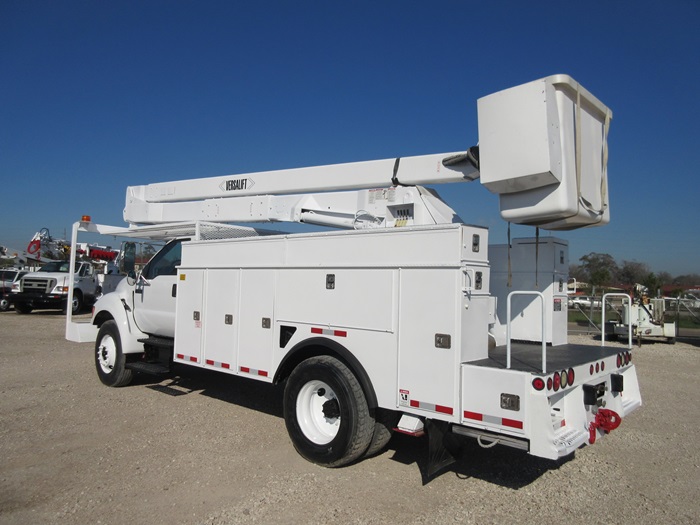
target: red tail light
<point>557,381</point>
<point>571,376</point>
<point>538,383</point>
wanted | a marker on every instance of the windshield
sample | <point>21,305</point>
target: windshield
<point>57,266</point>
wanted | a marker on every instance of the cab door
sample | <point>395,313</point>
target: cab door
<point>156,290</point>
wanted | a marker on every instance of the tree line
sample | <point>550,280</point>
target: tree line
<point>601,269</point>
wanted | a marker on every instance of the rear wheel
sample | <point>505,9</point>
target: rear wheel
<point>4,304</point>
<point>109,359</point>
<point>326,412</point>
<point>385,423</point>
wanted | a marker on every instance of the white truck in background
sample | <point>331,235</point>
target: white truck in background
<point>406,320</point>
<point>47,288</point>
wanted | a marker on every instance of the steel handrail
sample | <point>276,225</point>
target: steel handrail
<point>629,324</point>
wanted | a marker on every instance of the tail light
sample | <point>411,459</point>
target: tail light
<point>538,383</point>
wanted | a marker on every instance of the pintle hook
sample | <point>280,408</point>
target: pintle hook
<point>606,420</point>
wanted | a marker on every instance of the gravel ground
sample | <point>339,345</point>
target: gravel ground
<point>213,449</point>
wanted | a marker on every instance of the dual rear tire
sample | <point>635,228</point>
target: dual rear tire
<point>326,412</point>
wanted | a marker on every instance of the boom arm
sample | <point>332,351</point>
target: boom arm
<point>277,196</point>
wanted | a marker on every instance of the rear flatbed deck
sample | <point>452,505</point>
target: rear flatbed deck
<point>527,357</point>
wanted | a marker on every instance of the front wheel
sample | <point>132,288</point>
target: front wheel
<point>326,412</point>
<point>23,309</point>
<point>4,304</point>
<point>109,359</point>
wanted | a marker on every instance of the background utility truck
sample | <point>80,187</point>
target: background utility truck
<point>47,288</point>
<point>405,319</point>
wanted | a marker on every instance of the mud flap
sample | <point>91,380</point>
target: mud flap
<point>444,447</point>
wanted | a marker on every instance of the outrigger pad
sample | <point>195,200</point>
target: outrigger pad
<point>444,447</point>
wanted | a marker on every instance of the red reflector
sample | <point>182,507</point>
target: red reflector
<point>512,423</point>
<point>317,330</point>
<point>210,362</point>
<point>443,410</point>
<point>592,369</point>
<point>340,333</point>
<point>262,373</point>
<point>571,376</point>
<point>597,368</point>
<point>473,415</point>
<point>549,383</point>
<point>415,404</point>
<point>619,360</point>
<point>180,356</point>
<point>538,383</point>
<point>602,365</point>
<point>193,359</point>
<point>225,365</point>
<point>557,380</point>
<point>245,369</point>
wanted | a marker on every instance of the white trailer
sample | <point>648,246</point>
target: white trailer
<point>407,321</point>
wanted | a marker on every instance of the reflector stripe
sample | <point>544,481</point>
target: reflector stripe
<point>187,358</point>
<point>253,371</point>
<point>432,407</point>
<point>325,331</point>
<point>218,364</point>
<point>513,423</point>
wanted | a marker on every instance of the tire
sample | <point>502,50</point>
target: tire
<point>385,423</point>
<point>77,305</point>
<point>23,309</point>
<point>4,304</point>
<point>109,359</point>
<point>326,412</point>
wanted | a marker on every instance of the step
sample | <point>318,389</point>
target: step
<point>161,342</point>
<point>156,369</point>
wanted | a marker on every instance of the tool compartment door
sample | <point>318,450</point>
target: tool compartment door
<point>429,340</point>
<point>189,317</point>
<point>222,319</point>
<point>257,323</point>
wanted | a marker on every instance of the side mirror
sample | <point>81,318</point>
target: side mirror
<point>127,262</point>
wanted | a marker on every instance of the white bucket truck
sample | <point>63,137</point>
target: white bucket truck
<point>406,320</point>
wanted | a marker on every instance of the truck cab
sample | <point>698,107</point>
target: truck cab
<point>155,292</point>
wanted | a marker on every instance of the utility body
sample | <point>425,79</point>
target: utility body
<point>407,320</point>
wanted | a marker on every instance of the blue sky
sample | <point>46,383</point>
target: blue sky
<point>96,96</point>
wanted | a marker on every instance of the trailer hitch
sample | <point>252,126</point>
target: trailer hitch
<point>606,420</point>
